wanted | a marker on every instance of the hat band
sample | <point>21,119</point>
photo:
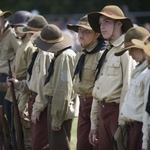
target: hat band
<point>34,29</point>
<point>84,23</point>
<point>111,13</point>
<point>52,41</point>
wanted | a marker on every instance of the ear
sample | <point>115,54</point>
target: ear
<point>97,35</point>
<point>119,23</point>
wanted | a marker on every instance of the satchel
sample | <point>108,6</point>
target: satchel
<point>121,136</point>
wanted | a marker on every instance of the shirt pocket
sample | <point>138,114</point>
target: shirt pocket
<point>135,88</point>
<point>89,71</point>
<point>113,68</point>
<point>4,51</point>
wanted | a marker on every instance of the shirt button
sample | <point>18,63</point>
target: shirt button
<point>98,87</point>
<point>101,74</point>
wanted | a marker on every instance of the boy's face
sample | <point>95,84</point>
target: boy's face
<point>85,36</point>
<point>137,54</point>
<point>106,26</point>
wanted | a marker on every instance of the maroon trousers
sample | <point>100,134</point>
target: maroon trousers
<point>84,125</point>
<point>39,133</point>
<point>108,122</point>
<point>135,136</point>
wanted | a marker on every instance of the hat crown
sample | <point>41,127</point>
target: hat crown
<point>136,33</point>
<point>21,17</point>
<point>113,10</point>
<point>51,32</point>
<point>37,21</point>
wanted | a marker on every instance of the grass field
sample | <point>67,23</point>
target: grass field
<point>74,134</point>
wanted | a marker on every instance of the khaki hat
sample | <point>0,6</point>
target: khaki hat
<point>51,38</point>
<point>143,44</point>
<point>35,24</point>
<point>110,11</point>
<point>6,14</point>
<point>133,33</point>
<point>83,22</point>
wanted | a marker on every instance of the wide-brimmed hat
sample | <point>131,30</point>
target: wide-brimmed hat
<point>143,44</point>
<point>36,23</point>
<point>110,11</point>
<point>51,38</point>
<point>20,18</point>
<point>6,14</point>
<point>83,22</point>
<point>133,33</point>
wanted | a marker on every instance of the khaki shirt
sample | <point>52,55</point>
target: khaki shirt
<point>8,49</point>
<point>113,81</point>
<point>23,59</point>
<point>85,86</point>
<point>33,84</point>
<point>60,88</point>
<point>133,105</point>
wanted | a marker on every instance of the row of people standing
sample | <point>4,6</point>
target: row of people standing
<point>100,80</point>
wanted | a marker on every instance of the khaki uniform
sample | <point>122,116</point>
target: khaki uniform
<point>84,89</point>
<point>36,85</point>
<point>8,48</point>
<point>113,81</point>
<point>85,86</point>
<point>61,109</point>
<point>22,61</point>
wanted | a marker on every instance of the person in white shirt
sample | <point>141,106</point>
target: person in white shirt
<point>131,112</point>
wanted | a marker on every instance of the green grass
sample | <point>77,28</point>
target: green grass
<point>74,134</point>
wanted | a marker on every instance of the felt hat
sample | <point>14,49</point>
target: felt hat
<point>143,44</point>
<point>133,33</point>
<point>51,38</point>
<point>6,14</point>
<point>83,22</point>
<point>110,11</point>
<point>20,18</point>
<point>35,24</point>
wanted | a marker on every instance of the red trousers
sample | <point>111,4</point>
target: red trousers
<point>39,132</point>
<point>84,125</point>
<point>108,122</point>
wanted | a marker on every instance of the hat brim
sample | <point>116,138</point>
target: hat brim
<point>93,19</point>
<point>54,47</point>
<point>6,14</point>
<point>25,30</point>
<point>123,50</point>
<point>75,27</point>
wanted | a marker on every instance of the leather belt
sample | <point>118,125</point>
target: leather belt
<point>84,96</point>
<point>103,103</point>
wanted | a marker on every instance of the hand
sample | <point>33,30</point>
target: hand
<point>93,137</point>
<point>54,128</point>
<point>45,147</point>
<point>34,119</point>
<point>21,115</point>
<point>9,81</point>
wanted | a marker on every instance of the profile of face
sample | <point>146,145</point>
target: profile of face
<point>86,36</point>
<point>137,54</point>
<point>109,28</point>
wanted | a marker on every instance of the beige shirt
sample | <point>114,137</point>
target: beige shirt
<point>60,88</point>
<point>146,116</point>
<point>23,58</point>
<point>85,86</point>
<point>8,48</point>
<point>133,105</point>
<point>113,81</point>
<point>33,83</point>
